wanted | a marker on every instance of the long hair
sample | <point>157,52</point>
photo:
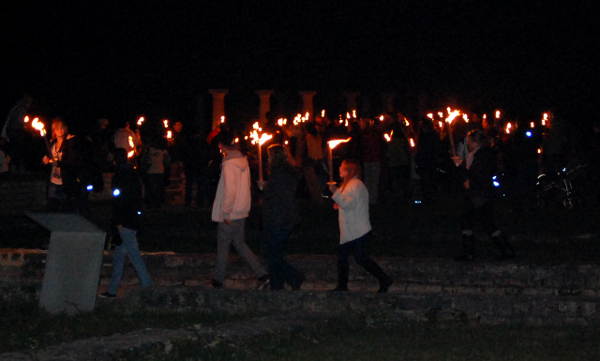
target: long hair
<point>354,171</point>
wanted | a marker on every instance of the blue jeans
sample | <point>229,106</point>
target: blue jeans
<point>130,247</point>
<point>281,271</point>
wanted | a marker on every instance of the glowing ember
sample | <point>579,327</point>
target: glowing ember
<point>335,142</point>
<point>388,136</point>
<point>39,126</point>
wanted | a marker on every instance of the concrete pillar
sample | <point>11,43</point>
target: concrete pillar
<point>264,95</point>
<point>388,102</point>
<point>307,102</point>
<point>218,105</point>
<point>351,100</point>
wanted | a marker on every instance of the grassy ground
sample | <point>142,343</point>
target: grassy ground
<point>347,340</point>
<point>23,326</point>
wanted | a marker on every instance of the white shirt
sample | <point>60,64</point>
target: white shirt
<point>233,199</point>
<point>353,204</point>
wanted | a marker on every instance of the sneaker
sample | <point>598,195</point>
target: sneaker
<point>263,282</point>
<point>216,284</point>
<point>107,295</point>
<point>385,286</point>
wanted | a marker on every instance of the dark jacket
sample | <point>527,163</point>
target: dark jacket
<point>127,205</point>
<point>279,205</point>
<point>73,165</point>
<point>480,175</point>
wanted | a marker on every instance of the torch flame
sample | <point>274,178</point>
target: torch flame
<point>452,114</point>
<point>388,137</point>
<point>498,114</point>
<point>508,127</point>
<point>354,113</point>
<point>322,113</point>
<point>381,118</point>
<point>26,119</point>
<point>335,142</point>
<point>130,154</point>
<point>406,122</point>
<point>130,141</point>
<point>539,151</point>
<point>440,114</point>
<point>532,125</point>
<point>545,118</point>
<point>264,137</point>
<point>141,121</point>
<point>222,119</point>
<point>412,142</point>
<point>466,118</point>
<point>281,122</point>
<point>166,123</point>
<point>39,126</point>
<point>430,116</point>
<point>169,134</point>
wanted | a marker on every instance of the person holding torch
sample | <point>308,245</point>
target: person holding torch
<point>477,175</point>
<point>352,202</point>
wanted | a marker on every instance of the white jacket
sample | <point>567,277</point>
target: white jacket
<point>353,204</point>
<point>233,199</point>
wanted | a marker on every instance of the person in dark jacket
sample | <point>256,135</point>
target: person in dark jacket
<point>477,172</point>
<point>280,216</point>
<point>127,213</point>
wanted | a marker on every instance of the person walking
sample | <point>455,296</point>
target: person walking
<point>352,202</point>
<point>230,209</point>
<point>476,172</point>
<point>126,222</point>
<point>280,216</point>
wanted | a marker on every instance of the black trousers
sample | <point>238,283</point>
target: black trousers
<point>357,248</point>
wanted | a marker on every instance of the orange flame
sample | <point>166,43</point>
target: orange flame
<point>452,114</point>
<point>354,113</point>
<point>322,113</point>
<point>222,119</point>
<point>388,137</point>
<point>406,122</point>
<point>141,121</point>
<point>508,127</point>
<point>465,118</point>
<point>532,125</point>
<point>540,151</point>
<point>498,114</point>
<point>335,142</point>
<point>430,116</point>
<point>412,142</point>
<point>166,123</point>
<point>381,118</point>
<point>169,134</point>
<point>281,122</point>
<point>26,119</point>
<point>39,126</point>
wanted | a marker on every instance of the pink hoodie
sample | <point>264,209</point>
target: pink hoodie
<point>233,198</point>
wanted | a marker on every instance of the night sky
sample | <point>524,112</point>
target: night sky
<point>119,60</point>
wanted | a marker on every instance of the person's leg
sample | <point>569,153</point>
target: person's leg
<point>238,236</point>
<point>275,258</point>
<point>130,242</point>
<point>223,244</point>
<point>485,215</point>
<point>343,267</point>
<point>118,263</point>
<point>361,257</point>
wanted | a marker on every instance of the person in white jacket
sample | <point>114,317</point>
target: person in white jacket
<point>352,202</point>
<point>230,210</point>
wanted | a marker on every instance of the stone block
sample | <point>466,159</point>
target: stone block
<point>73,263</point>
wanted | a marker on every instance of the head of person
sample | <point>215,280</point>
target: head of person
<point>103,123</point>
<point>475,140</point>
<point>225,140</point>
<point>349,169</point>
<point>123,124</point>
<point>277,157</point>
<point>178,127</point>
<point>59,128</point>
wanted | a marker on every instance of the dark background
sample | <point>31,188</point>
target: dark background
<point>119,59</point>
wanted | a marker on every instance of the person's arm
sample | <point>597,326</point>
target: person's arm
<point>230,185</point>
<point>346,200</point>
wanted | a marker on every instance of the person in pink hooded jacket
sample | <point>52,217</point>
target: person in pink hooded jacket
<point>230,209</point>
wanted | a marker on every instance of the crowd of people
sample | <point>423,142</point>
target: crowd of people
<point>384,160</point>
